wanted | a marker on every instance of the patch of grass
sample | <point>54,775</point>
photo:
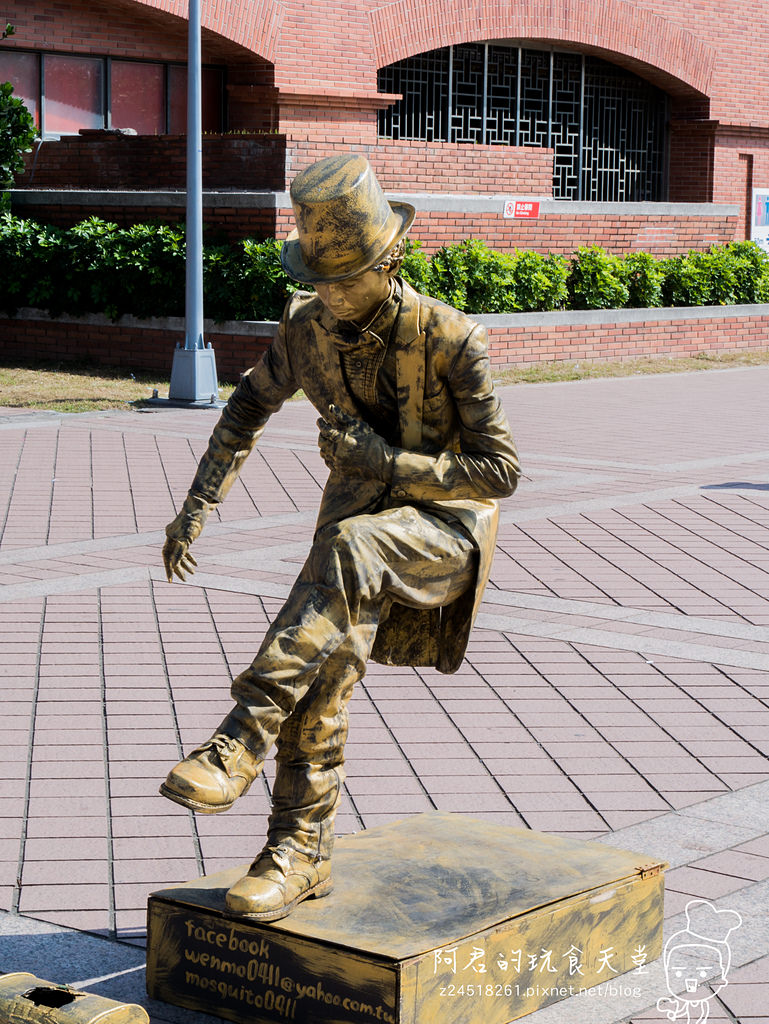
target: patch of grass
<point>562,370</point>
<point>85,387</point>
<point>78,386</point>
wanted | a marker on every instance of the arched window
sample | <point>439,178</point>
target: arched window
<point>607,126</point>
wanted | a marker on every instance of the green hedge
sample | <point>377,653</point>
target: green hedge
<point>96,267</point>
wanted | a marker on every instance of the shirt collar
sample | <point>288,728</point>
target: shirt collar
<point>378,330</point>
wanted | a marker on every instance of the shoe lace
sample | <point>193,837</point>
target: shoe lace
<point>222,745</point>
<point>281,857</point>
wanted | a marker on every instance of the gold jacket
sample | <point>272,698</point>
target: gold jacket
<point>456,455</point>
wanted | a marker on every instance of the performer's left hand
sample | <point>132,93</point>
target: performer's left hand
<point>351,447</point>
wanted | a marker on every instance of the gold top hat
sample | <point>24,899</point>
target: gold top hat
<point>344,224</point>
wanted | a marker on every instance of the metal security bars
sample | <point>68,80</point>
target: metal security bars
<point>607,126</point>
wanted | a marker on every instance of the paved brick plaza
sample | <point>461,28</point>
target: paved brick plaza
<point>616,687</point>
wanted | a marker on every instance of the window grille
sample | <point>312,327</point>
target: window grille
<point>607,126</point>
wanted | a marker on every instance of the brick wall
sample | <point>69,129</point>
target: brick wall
<point>565,231</point>
<point>648,334</point>
<point>145,30</point>
<point>413,166</point>
<point>107,160</point>
<point>104,160</point>
<point>662,236</point>
<point>741,162</point>
<point>690,47</point>
<point>661,229</point>
<point>308,67</point>
<point>516,340</point>
<point>130,343</point>
<point>691,161</point>
<point>221,223</point>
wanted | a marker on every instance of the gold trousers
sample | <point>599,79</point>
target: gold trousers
<point>296,690</point>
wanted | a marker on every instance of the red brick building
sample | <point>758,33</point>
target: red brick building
<point>600,109</point>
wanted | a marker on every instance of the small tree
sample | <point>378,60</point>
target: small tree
<point>17,133</point>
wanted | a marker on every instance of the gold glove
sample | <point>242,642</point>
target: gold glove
<point>181,533</point>
<point>352,448</point>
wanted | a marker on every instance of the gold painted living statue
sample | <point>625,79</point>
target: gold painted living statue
<point>419,450</point>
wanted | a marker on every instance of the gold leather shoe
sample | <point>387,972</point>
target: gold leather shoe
<point>213,776</point>
<point>278,879</point>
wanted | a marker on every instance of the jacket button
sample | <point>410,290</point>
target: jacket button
<point>400,493</point>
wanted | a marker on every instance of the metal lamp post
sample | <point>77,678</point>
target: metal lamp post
<point>193,373</point>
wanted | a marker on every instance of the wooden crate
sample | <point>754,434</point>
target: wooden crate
<point>435,919</point>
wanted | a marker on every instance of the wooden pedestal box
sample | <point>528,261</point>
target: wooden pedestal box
<point>435,919</point>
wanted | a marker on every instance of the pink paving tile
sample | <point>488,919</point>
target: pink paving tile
<point>565,822</point>
<point>700,882</point>
<point>368,804</point>
<point>757,971</point>
<point>60,872</point>
<point>66,828</point>
<point>9,849</point>
<point>154,847</point>
<point>470,803</point>
<point>36,899</point>
<point>70,807</point>
<point>64,850</point>
<point>758,846</point>
<point>736,864</point>
<point>748,1002</point>
<point>547,801</point>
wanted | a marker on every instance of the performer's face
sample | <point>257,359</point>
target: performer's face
<point>357,298</point>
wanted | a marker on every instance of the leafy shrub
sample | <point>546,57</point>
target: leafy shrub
<point>470,276</point>
<point>540,281</point>
<point>148,270</point>
<point>597,280</point>
<point>17,133</point>
<point>644,277</point>
<point>35,270</point>
<point>750,265</point>
<point>738,272</point>
<point>98,267</point>
<point>416,267</point>
<point>686,280</point>
<point>245,281</point>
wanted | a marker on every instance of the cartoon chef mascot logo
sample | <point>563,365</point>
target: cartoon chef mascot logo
<point>692,956</point>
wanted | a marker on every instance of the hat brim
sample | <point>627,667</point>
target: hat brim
<point>292,260</point>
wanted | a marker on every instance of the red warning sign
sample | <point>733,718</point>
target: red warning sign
<point>521,208</point>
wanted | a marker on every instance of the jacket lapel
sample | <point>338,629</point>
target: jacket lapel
<point>342,496</point>
<point>410,369</point>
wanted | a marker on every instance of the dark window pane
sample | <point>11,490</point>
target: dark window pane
<point>137,96</point>
<point>177,100</point>
<point>73,94</point>
<point>22,70</point>
<point>211,99</point>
